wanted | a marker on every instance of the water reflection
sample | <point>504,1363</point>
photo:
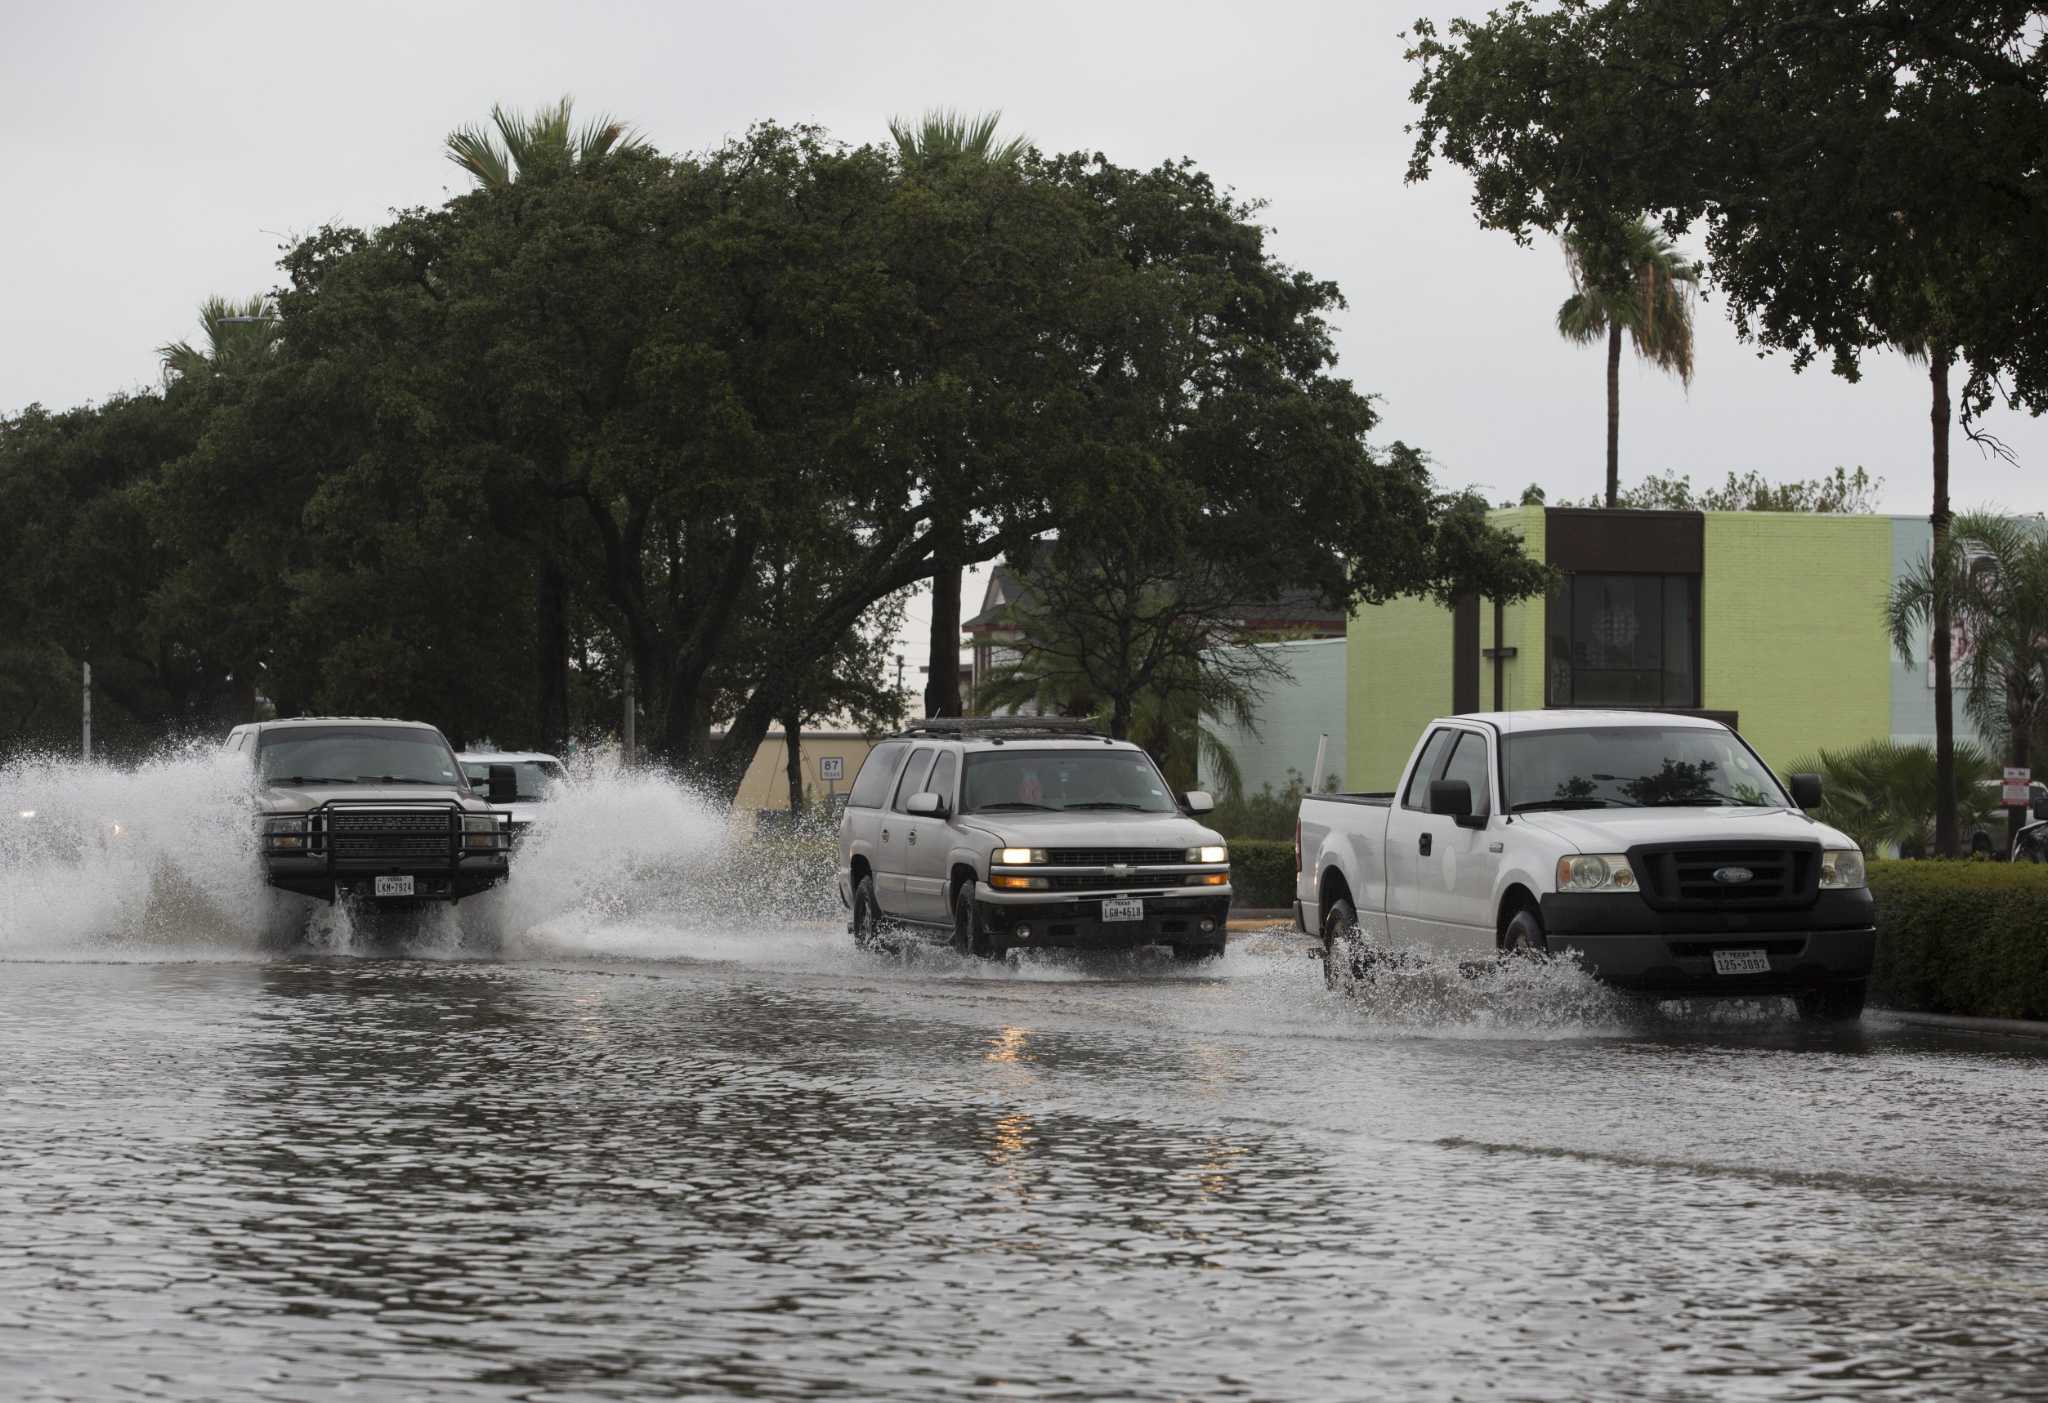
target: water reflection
<point>463,1180</point>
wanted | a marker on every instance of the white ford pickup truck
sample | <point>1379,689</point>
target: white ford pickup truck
<point>1659,849</point>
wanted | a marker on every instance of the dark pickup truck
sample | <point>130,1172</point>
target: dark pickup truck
<point>373,809</point>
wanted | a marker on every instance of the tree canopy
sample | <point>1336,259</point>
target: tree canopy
<point>1861,172</point>
<point>709,416</point>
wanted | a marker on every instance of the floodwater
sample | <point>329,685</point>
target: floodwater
<point>620,1134</point>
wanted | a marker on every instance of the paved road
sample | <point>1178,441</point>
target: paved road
<point>648,1161</point>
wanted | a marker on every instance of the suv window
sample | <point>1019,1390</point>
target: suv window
<point>1468,763</point>
<point>914,775</point>
<point>1417,795</point>
<point>344,754</point>
<point>941,782</point>
<point>871,785</point>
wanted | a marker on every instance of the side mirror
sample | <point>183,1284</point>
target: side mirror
<point>1452,799</point>
<point>1806,791</point>
<point>1198,801</point>
<point>2041,806</point>
<point>503,787</point>
<point>927,804</point>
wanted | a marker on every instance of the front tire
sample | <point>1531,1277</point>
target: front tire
<point>1834,1003</point>
<point>1346,957</point>
<point>1524,936</point>
<point>867,916</point>
<point>971,935</point>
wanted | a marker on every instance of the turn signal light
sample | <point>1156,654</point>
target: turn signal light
<point>1209,879</point>
<point>1016,883</point>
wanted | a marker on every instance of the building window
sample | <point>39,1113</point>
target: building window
<point>1625,640</point>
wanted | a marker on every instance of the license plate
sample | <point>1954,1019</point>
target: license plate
<point>1123,910</point>
<point>394,886</point>
<point>1741,962</point>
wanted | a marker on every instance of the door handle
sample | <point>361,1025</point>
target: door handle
<point>1422,846</point>
<point>885,835</point>
<point>912,839</point>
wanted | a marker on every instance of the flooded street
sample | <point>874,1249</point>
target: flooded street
<point>638,1155</point>
<point>805,1172</point>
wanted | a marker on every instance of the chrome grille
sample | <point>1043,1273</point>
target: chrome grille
<point>1106,857</point>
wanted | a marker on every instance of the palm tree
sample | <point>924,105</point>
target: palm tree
<point>944,138</point>
<point>514,146</point>
<point>1885,794</point>
<point>1991,573</point>
<point>237,334</point>
<point>1644,290</point>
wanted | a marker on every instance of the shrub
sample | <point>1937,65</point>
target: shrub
<point>1262,871</point>
<point>1962,937</point>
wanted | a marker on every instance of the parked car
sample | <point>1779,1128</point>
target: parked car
<point>1987,836</point>
<point>1005,834</point>
<point>1660,849</point>
<point>2030,844</point>
<point>372,808</point>
<point>535,776</point>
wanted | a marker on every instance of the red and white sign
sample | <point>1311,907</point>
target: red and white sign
<point>2019,789</point>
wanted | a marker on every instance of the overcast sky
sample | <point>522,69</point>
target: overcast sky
<point>154,154</point>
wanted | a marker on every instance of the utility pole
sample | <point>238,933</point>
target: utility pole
<point>632,729</point>
<point>87,737</point>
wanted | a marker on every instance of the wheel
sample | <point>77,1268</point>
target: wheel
<point>1189,954</point>
<point>1346,957</point>
<point>1833,1003</point>
<point>971,936</point>
<point>867,916</point>
<point>1524,935</point>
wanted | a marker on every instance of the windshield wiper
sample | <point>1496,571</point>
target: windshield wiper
<point>396,779</point>
<point>1114,804</point>
<point>1014,804</point>
<point>1701,801</point>
<point>1566,804</point>
<point>307,779</point>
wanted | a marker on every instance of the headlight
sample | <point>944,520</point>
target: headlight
<point>26,813</point>
<point>285,832</point>
<point>1595,872</point>
<point>1019,857</point>
<point>480,832</point>
<point>1208,855</point>
<point>1841,868</point>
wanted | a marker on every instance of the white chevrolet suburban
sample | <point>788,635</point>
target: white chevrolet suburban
<point>1028,833</point>
<point>1659,849</point>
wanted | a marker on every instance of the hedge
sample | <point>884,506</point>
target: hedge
<point>1262,871</point>
<point>1962,937</point>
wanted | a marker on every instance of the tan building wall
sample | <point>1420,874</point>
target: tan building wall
<point>767,783</point>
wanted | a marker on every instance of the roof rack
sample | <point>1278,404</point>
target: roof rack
<point>1003,727</point>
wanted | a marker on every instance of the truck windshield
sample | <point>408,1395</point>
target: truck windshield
<point>1635,767</point>
<point>356,755</point>
<point>536,777</point>
<point>1063,781</point>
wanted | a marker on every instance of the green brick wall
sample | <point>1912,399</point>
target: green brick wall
<point>1792,631</point>
<point>1399,661</point>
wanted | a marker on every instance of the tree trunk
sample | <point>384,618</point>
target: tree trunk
<point>2016,817</point>
<point>551,635</point>
<point>1947,842</point>
<point>793,745</point>
<point>1613,416</point>
<point>942,682</point>
<point>1120,717</point>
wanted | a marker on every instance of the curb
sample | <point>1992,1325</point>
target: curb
<point>2018,1027</point>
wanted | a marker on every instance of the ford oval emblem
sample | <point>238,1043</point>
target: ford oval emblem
<point>1733,876</point>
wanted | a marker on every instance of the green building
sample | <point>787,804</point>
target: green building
<point>1773,622</point>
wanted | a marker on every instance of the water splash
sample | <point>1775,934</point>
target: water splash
<point>97,861</point>
<point>1441,994</point>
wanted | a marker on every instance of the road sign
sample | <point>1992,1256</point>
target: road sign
<point>2018,785</point>
<point>831,767</point>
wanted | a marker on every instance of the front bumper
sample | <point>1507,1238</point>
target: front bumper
<point>1060,921</point>
<point>316,877</point>
<point>1625,942</point>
